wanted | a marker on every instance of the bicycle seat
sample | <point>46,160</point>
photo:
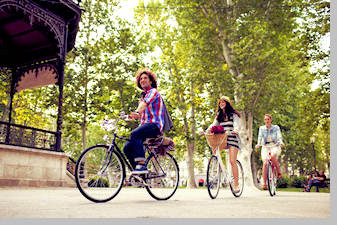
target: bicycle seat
<point>154,141</point>
<point>160,144</point>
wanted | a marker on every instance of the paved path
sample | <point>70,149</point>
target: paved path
<point>137,203</point>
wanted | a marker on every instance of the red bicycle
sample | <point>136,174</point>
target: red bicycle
<point>272,174</point>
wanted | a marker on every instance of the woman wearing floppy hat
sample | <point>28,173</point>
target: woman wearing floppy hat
<point>227,117</point>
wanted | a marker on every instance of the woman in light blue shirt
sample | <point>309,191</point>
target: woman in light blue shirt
<point>269,135</point>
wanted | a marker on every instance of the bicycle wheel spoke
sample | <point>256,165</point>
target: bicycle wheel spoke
<point>271,180</point>
<point>213,179</point>
<point>163,178</point>
<point>99,174</point>
<point>241,180</point>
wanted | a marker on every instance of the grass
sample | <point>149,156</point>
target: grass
<point>290,189</point>
<point>293,189</point>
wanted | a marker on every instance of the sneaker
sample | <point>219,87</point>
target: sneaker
<point>140,169</point>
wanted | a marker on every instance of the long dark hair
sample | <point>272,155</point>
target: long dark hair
<point>222,115</point>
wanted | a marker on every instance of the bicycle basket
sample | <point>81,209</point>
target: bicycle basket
<point>214,140</point>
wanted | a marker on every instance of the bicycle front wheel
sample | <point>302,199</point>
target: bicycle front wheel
<point>213,177</point>
<point>272,179</point>
<point>163,177</point>
<point>99,173</point>
<point>241,180</point>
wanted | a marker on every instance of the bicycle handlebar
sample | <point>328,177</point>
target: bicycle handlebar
<point>273,145</point>
<point>205,133</point>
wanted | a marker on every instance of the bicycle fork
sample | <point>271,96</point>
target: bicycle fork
<point>227,177</point>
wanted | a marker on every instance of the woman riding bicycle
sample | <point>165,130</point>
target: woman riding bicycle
<point>227,117</point>
<point>270,138</point>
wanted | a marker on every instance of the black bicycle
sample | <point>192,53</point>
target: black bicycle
<point>100,170</point>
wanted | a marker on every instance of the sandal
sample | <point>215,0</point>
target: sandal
<point>236,190</point>
<point>265,187</point>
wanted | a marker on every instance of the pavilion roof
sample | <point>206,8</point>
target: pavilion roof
<point>32,31</point>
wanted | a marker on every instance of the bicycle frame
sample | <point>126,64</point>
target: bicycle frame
<point>273,179</point>
<point>113,147</point>
<point>227,170</point>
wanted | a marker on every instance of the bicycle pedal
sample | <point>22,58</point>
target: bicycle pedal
<point>141,180</point>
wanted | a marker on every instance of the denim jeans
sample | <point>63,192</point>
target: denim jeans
<point>314,182</point>
<point>134,149</point>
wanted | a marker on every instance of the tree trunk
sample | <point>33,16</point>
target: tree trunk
<point>190,165</point>
<point>191,146</point>
<point>190,142</point>
<point>84,129</point>
<point>244,155</point>
<point>254,170</point>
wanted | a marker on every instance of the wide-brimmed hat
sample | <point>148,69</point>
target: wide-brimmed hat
<point>226,98</point>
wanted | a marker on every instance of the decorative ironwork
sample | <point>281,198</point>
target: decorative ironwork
<point>31,11</point>
<point>18,135</point>
<point>50,66</point>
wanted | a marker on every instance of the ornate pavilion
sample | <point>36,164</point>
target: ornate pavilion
<point>35,36</point>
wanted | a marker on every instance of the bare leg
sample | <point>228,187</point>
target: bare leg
<point>233,152</point>
<point>276,163</point>
<point>264,173</point>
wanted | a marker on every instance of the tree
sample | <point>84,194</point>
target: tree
<point>235,31</point>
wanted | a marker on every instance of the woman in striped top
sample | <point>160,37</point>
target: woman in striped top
<point>227,117</point>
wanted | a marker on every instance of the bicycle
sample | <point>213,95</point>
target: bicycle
<point>100,170</point>
<point>216,168</point>
<point>272,174</point>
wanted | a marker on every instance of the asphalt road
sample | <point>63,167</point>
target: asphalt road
<point>137,203</point>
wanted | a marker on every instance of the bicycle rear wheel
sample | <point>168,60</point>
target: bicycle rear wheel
<point>163,177</point>
<point>99,173</point>
<point>241,180</point>
<point>272,179</point>
<point>213,178</point>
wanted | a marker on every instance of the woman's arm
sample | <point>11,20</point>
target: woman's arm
<point>236,123</point>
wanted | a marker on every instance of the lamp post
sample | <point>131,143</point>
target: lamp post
<point>313,139</point>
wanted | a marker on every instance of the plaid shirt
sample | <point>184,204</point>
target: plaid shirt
<point>154,112</point>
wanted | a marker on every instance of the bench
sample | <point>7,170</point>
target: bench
<point>326,184</point>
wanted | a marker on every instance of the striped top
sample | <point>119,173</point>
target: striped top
<point>154,112</point>
<point>232,140</point>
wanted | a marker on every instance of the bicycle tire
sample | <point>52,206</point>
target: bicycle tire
<point>271,179</point>
<point>162,187</point>
<point>213,177</point>
<point>241,180</point>
<point>98,176</point>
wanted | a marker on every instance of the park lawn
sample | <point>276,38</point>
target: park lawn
<point>293,189</point>
<point>313,189</point>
